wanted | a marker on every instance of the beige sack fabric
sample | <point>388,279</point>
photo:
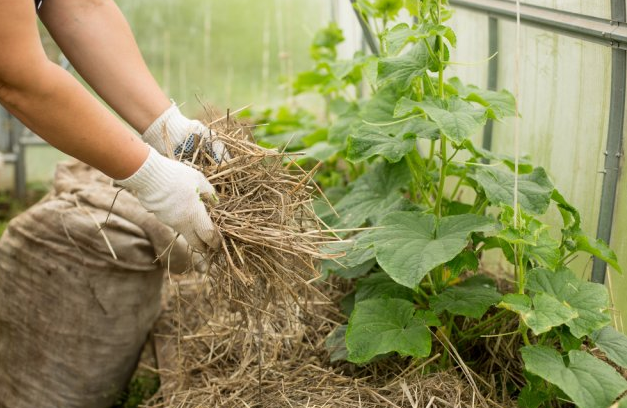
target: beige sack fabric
<point>72,318</point>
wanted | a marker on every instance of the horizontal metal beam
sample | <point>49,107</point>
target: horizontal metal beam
<point>598,30</point>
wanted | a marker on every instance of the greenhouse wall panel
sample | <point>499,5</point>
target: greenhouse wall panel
<point>601,9</point>
<point>564,102</point>
<point>470,57</point>
<point>618,283</point>
<point>564,97</point>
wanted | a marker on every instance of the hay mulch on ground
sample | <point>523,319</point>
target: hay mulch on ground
<point>211,356</point>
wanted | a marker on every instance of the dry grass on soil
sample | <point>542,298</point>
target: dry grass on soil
<point>211,356</point>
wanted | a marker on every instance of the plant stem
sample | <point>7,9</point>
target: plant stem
<point>427,79</point>
<point>430,279</point>
<point>523,331</point>
<point>482,207</point>
<point>479,326</point>
<point>518,250</point>
<point>443,141</point>
<point>456,189</point>
<point>441,52</point>
<point>440,193</point>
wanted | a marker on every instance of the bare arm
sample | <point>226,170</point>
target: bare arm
<point>55,105</point>
<point>97,40</point>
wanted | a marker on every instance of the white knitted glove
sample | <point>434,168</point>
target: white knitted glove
<point>172,190</point>
<point>183,135</point>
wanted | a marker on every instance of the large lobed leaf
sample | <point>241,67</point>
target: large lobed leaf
<point>588,381</point>
<point>402,34</point>
<point>456,118</point>
<point>589,300</point>
<point>403,69</point>
<point>384,325</point>
<point>372,141</point>
<point>373,195</point>
<point>498,104</point>
<point>411,244</point>
<point>472,298</point>
<point>380,285</point>
<point>534,189</point>
<point>541,313</point>
<point>613,343</point>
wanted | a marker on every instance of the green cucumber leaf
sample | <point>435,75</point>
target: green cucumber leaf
<point>356,262</point>
<point>466,300</point>
<point>379,109</point>
<point>532,398</point>
<point>499,104</point>
<point>402,34</point>
<point>622,403</point>
<point>335,343</point>
<point>456,118</point>
<point>588,381</point>
<point>525,165</point>
<point>344,124</point>
<point>321,151</point>
<point>379,285</point>
<point>589,300</point>
<point>597,248</point>
<point>410,244</point>
<point>546,250</point>
<point>570,215</point>
<point>373,195</point>
<point>540,314</point>
<point>384,325</point>
<point>534,189</point>
<point>464,261</point>
<point>401,70</point>
<point>567,340</point>
<point>613,343</point>
<point>371,141</point>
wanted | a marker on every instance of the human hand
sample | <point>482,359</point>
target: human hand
<point>174,132</point>
<point>172,191</point>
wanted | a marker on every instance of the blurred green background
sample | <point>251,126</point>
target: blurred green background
<point>228,54</point>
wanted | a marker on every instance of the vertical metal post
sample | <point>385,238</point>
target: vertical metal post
<point>613,149</point>
<point>372,44</point>
<point>493,65</point>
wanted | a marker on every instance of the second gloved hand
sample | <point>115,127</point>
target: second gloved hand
<point>172,191</point>
<point>173,130</point>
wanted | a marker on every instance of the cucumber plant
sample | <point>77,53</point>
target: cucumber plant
<point>400,159</point>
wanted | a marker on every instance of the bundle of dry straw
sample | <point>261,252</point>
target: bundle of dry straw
<point>272,236</point>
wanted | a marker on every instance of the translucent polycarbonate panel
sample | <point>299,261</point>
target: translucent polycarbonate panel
<point>469,60</point>
<point>564,100</point>
<point>230,53</point>
<point>344,16</point>
<point>601,9</point>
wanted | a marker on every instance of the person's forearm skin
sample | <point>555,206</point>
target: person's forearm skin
<point>96,38</point>
<point>55,106</point>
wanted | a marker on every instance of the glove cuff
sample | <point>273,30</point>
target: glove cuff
<point>149,178</point>
<point>171,128</point>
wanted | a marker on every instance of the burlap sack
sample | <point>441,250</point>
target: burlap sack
<point>73,318</point>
